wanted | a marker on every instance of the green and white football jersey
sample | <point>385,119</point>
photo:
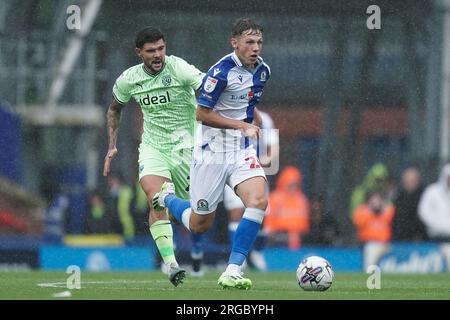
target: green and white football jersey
<point>167,100</point>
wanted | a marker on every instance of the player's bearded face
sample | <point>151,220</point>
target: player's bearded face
<point>248,47</point>
<point>153,55</point>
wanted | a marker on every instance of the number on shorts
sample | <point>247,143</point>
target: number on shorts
<point>254,164</point>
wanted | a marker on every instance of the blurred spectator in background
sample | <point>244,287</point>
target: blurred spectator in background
<point>434,211</point>
<point>140,209</point>
<point>323,226</point>
<point>10,224</point>
<point>392,188</point>
<point>288,212</point>
<point>119,202</point>
<point>99,220</point>
<point>376,180</point>
<point>434,207</point>
<point>57,217</point>
<point>407,225</point>
<point>373,220</point>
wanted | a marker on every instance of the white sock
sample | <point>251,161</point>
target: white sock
<point>186,217</point>
<point>170,265</point>
<point>233,268</point>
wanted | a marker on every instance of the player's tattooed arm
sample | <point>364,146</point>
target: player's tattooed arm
<point>210,118</point>
<point>112,120</point>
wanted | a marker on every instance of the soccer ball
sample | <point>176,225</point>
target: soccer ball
<point>315,274</point>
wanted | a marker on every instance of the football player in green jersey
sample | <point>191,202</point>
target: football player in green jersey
<point>164,87</point>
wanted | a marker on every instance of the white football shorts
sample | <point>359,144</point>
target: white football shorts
<point>212,171</point>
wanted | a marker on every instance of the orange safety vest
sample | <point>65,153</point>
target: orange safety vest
<point>372,226</point>
<point>288,211</point>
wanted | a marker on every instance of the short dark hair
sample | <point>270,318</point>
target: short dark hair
<point>148,34</point>
<point>245,24</point>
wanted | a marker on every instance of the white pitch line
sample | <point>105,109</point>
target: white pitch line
<point>83,283</point>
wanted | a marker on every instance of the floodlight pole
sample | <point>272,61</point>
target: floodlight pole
<point>445,92</point>
<point>72,52</point>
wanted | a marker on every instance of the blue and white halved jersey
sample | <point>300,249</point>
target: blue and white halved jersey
<point>233,91</point>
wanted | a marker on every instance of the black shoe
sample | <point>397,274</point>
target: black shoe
<point>176,275</point>
<point>197,263</point>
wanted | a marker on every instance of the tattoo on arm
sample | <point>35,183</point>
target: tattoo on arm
<point>113,120</point>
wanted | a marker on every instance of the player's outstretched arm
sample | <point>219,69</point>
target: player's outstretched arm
<point>210,118</point>
<point>112,120</point>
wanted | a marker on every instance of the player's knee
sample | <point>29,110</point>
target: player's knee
<point>259,202</point>
<point>201,226</point>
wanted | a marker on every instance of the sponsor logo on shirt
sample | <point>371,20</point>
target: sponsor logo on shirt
<point>210,84</point>
<point>155,100</point>
<point>207,96</point>
<point>246,96</point>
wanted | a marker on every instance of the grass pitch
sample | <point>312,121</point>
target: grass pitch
<point>266,286</point>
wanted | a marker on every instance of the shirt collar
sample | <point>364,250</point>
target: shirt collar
<point>153,74</point>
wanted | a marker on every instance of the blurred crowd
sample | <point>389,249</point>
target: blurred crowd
<point>381,210</point>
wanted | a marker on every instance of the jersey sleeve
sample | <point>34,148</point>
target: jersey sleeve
<point>189,74</point>
<point>121,89</point>
<point>213,84</point>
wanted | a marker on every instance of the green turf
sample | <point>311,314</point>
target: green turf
<point>277,286</point>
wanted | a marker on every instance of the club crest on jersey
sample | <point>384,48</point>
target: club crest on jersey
<point>166,80</point>
<point>202,205</point>
<point>210,84</point>
<point>263,76</point>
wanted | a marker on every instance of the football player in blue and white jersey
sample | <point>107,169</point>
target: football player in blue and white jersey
<point>223,154</point>
<point>268,153</point>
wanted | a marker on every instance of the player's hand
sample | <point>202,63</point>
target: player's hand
<point>251,131</point>
<point>107,163</point>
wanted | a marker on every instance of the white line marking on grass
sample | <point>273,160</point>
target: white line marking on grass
<point>112,282</point>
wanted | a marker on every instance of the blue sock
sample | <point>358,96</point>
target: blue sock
<point>176,206</point>
<point>245,235</point>
<point>197,244</point>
